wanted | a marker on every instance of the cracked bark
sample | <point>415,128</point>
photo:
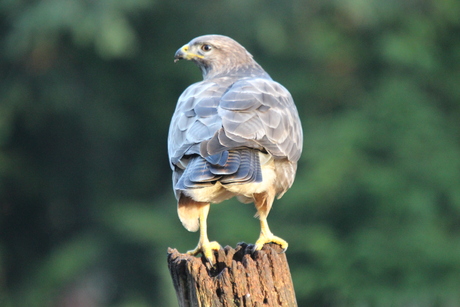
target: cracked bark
<point>239,278</point>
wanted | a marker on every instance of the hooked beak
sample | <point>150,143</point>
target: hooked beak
<point>183,53</point>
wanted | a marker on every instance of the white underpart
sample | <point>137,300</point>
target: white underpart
<point>218,192</point>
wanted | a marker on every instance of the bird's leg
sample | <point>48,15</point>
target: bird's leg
<point>263,204</point>
<point>204,246</point>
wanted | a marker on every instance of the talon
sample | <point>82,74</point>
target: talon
<point>263,239</point>
<point>206,249</point>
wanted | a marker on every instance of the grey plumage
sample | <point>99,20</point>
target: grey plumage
<point>229,127</point>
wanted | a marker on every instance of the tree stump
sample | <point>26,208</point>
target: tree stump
<point>240,278</point>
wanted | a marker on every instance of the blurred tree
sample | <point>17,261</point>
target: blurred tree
<point>87,91</point>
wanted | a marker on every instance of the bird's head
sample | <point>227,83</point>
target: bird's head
<point>217,55</point>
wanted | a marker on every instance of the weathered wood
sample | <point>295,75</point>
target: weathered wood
<point>240,278</point>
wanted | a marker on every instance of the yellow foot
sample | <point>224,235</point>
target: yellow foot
<point>263,239</point>
<point>206,249</point>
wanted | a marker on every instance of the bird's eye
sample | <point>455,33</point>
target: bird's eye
<point>206,47</point>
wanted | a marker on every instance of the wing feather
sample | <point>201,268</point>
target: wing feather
<point>261,112</point>
<point>217,125</point>
<point>195,119</point>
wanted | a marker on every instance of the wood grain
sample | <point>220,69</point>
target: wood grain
<point>240,278</point>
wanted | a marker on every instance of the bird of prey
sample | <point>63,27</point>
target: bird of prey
<point>236,133</point>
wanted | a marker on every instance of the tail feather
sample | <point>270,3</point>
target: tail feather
<point>248,171</point>
<point>241,166</point>
<point>231,164</point>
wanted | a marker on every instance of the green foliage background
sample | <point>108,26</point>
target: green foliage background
<point>86,94</point>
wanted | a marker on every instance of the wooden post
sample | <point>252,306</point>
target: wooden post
<point>240,278</point>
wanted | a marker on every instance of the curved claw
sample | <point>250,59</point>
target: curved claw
<point>263,239</point>
<point>206,249</point>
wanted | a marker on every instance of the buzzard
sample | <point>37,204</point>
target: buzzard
<point>237,134</point>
